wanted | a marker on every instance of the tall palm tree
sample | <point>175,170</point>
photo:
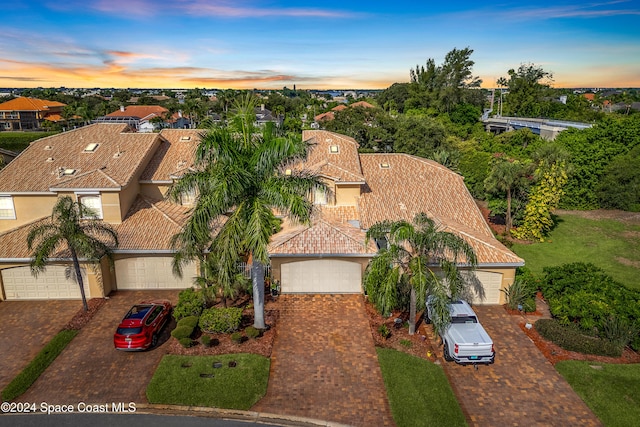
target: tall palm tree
<point>68,229</point>
<point>422,258</point>
<point>241,174</point>
<point>506,176</point>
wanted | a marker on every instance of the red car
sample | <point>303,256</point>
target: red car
<point>140,327</point>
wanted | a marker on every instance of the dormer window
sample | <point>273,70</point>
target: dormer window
<point>92,205</point>
<point>385,165</point>
<point>334,149</point>
<point>91,148</point>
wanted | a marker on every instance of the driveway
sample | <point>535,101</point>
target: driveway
<point>90,370</point>
<point>324,364</point>
<point>521,387</point>
<point>25,328</point>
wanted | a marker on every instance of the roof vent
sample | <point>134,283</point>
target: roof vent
<point>185,138</point>
<point>181,164</point>
<point>66,172</point>
<point>385,165</point>
<point>49,159</point>
<point>48,147</point>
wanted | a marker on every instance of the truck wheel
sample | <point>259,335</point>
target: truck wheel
<point>446,354</point>
<point>154,340</point>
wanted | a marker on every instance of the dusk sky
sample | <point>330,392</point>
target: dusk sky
<point>246,44</point>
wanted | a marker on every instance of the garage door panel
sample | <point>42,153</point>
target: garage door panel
<point>20,284</point>
<point>321,276</point>
<point>151,273</point>
<point>491,283</point>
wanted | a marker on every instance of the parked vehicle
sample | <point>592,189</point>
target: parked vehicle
<point>465,340</point>
<point>141,326</point>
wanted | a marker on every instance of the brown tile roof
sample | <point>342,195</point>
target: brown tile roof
<point>149,224</point>
<point>140,111</point>
<point>29,104</point>
<point>13,243</point>
<point>322,238</point>
<point>411,185</point>
<point>174,155</point>
<point>364,104</point>
<point>339,107</point>
<point>36,168</point>
<point>324,116</point>
<point>343,166</point>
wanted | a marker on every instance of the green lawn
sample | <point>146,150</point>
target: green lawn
<point>612,392</point>
<point>237,387</point>
<point>611,245</point>
<point>418,391</point>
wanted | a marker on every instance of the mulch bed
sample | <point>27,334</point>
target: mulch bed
<point>82,317</point>
<point>418,345</point>
<point>224,345</point>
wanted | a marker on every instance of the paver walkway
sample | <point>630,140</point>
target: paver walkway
<point>90,370</point>
<point>521,388</point>
<point>25,328</point>
<point>324,363</point>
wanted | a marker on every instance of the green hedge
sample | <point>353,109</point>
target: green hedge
<point>571,338</point>
<point>181,332</point>
<point>18,141</point>
<point>37,366</point>
<point>190,321</point>
<point>190,303</point>
<point>221,319</point>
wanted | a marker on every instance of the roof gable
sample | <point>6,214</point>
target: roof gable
<point>333,155</point>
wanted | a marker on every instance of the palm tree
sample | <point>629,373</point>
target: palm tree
<point>240,176</point>
<point>506,176</point>
<point>68,229</point>
<point>416,255</point>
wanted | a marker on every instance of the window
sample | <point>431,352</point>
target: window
<point>320,196</point>
<point>7,210</point>
<point>93,203</point>
<point>90,148</point>
<point>334,149</point>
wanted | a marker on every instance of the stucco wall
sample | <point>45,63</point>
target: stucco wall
<point>347,194</point>
<point>28,208</point>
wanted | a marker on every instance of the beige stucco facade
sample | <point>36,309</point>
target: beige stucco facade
<point>28,208</point>
<point>347,194</point>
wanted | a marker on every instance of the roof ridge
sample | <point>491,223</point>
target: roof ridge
<point>502,249</point>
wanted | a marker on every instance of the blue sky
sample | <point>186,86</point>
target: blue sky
<point>321,45</point>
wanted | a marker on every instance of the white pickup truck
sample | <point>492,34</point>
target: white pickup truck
<point>465,340</point>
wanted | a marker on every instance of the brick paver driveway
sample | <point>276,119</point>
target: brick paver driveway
<point>521,388</point>
<point>26,327</point>
<point>324,364</point>
<point>90,370</point>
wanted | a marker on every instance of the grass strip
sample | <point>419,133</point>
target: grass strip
<point>612,391</point>
<point>37,366</point>
<point>418,391</point>
<point>194,381</point>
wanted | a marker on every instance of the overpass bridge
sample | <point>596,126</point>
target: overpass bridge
<point>547,129</point>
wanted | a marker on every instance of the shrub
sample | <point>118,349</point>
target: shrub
<point>571,338</point>
<point>190,321</point>
<point>518,293</point>
<point>181,332</point>
<point>220,319</point>
<point>206,340</point>
<point>619,331</point>
<point>384,331</point>
<point>186,342</point>
<point>252,332</point>
<point>406,343</point>
<point>190,303</point>
<point>236,337</point>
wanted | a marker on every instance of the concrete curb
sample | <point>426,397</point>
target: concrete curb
<point>265,417</point>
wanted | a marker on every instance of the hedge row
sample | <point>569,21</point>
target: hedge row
<point>570,338</point>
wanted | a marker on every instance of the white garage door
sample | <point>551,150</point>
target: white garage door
<point>19,284</point>
<point>151,273</point>
<point>321,276</point>
<point>491,283</point>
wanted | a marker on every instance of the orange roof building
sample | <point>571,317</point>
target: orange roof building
<point>24,113</point>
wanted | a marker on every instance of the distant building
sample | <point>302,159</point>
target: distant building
<point>24,113</point>
<point>138,117</point>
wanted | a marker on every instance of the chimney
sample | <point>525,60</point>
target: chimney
<point>122,108</point>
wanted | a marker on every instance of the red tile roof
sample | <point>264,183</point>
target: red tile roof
<point>140,111</point>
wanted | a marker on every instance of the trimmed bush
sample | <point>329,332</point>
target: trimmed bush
<point>236,337</point>
<point>206,340</point>
<point>220,320</point>
<point>252,332</point>
<point>186,342</point>
<point>571,338</point>
<point>182,332</point>
<point>190,303</point>
<point>190,321</point>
